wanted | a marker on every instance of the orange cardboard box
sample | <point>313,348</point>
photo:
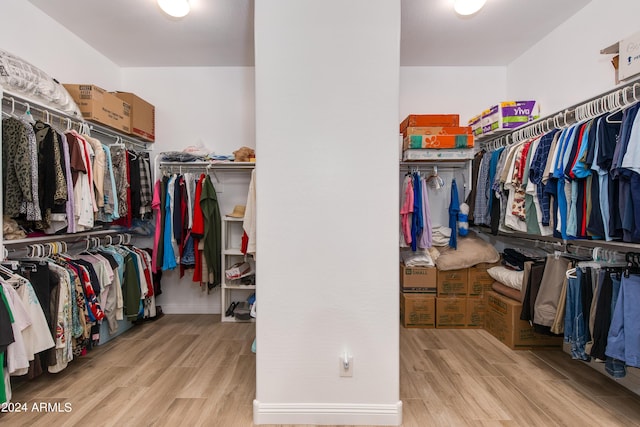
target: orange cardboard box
<point>444,120</point>
<point>437,130</point>
<point>439,140</point>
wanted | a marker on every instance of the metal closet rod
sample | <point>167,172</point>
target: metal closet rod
<point>10,101</point>
<point>607,102</point>
<point>50,247</point>
<point>441,165</point>
<point>588,247</point>
<point>117,137</point>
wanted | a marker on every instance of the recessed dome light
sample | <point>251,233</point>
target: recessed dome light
<point>468,7</point>
<point>175,8</point>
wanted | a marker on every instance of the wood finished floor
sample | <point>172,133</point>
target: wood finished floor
<point>191,370</point>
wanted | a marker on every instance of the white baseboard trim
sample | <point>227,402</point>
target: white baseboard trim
<point>327,413</point>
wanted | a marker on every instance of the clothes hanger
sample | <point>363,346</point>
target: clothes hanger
<point>27,114</point>
<point>615,106</point>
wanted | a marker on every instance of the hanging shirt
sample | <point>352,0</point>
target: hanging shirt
<point>17,357</point>
<point>416,220</point>
<point>425,237</point>
<point>212,229</point>
<point>169,258</point>
<point>156,236</point>
<point>481,209</point>
<point>406,210</point>
<point>249,223</point>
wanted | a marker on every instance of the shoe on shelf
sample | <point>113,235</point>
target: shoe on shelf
<point>230,309</point>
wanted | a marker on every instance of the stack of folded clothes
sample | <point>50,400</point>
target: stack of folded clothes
<point>516,257</point>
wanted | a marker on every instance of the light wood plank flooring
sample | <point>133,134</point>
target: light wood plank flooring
<point>191,370</point>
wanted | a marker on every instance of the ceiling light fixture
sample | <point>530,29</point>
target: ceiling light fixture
<point>468,7</point>
<point>175,8</point>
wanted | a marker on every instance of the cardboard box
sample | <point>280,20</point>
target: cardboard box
<point>451,312</point>
<point>509,115</point>
<point>445,120</point>
<point>629,61</point>
<point>475,123</point>
<point>143,116</point>
<point>412,142</point>
<point>453,283</point>
<point>417,310</point>
<point>418,279</point>
<point>479,280</point>
<point>502,320</point>
<point>476,309</point>
<point>98,105</point>
<point>437,130</point>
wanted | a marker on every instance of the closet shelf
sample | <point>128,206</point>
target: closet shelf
<point>243,287</point>
<point>61,237</point>
<point>210,165</point>
<point>232,252</point>
<point>232,219</point>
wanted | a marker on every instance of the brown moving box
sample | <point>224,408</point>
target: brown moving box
<point>479,280</point>
<point>417,310</point>
<point>451,312</point>
<point>476,309</point>
<point>98,105</point>
<point>453,283</point>
<point>502,320</point>
<point>418,279</point>
<point>419,120</point>
<point>143,116</point>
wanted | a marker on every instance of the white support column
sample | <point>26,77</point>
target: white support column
<point>327,87</point>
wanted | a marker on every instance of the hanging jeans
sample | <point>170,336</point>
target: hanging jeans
<point>623,342</point>
<point>575,330</point>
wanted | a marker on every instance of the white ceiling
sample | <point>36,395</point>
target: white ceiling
<point>134,33</point>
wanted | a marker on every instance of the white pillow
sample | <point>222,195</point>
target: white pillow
<point>507,277</point>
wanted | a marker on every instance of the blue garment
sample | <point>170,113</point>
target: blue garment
<point>580,169</point>
<point>623,342</point>
<point>558,173</point>
<point>602,176</point>
<point>536,172</point>
<point>572,213</point>
<point>417,222</point>
<point>628,118</point>
<point>575,327</point>
<point>493,166</point>
<point>168,257</point>
<point>454,209</point>
<point>635,203</point>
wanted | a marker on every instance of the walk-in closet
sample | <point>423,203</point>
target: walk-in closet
<point>435,202</point>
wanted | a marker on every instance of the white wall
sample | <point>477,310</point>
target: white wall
<point>213,106</point>
<point>451,90</point>
<point>326,126</point>
<point>566,67</point>
<point>27,32</point>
